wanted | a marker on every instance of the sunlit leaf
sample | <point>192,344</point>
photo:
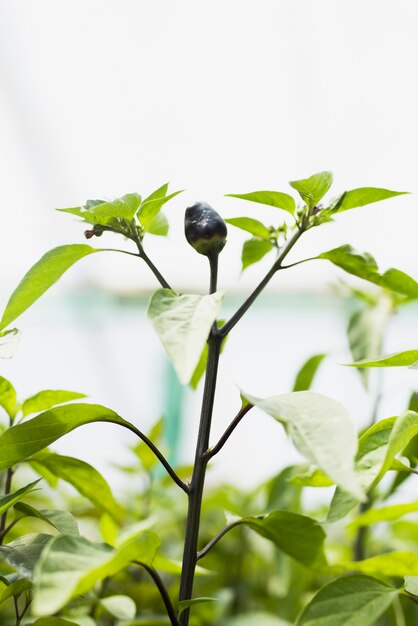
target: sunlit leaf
<point>122,607</point>
<point>366,195</point>
<point>63,521</point>
<point>45,400</point>
<point>398,359</point>
<point>10,499</point>
<point>275,199</point>
<point>254,250</point>
<point>306,374</point>
<point>390,564</point>
<point>250,225</point>
<point>314,188</point>
<point>8,399</point>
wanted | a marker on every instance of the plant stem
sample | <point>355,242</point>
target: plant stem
<point>215,539</point>
<point>142,255</point>
<point>198,477</point>
<point>163,591</point>
<point>222,441</point>
<point>213,262</point>
<point>276,267</point>
<point>7,490</point>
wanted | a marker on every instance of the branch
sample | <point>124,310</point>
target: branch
<point>216,538</point>
<point>222,441</point>
<point>158,454</point>
<point>141,253</point>
<point>163,591</point>
<point>277,265</point>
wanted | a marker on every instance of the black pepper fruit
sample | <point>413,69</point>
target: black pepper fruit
<point>205,229</point>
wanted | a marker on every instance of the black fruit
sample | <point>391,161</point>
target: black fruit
<point>205,229</point>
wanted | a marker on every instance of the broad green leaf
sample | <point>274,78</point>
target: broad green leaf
<point>391,564</point>
<point>45,400</point>
<point>256,618</point>
<point>63,521</point>
<point>310,477</point>
<point>10,499</point>
<point>9,341</point>
<point>41,277</point>
<point>314,188</point>
<point>384,514</point>
<point>404,430</point>
<point>159,225</point>
<point>254,250</point>
<point>24,553</point>
<point>398,359</point>
<point>366,195</point>
<point>275,199</point>
<point>183,323</point>
<point>411,585</point>
<point>8,398</point>
<point>250,225</point>
<point>104,213</point>
<point>83,477</point>
<point>348,601</point>
<point>186,604</point>
<point>23,440</point>
<point>15,589</point>
<point>299,536</point>
<point>365,333</point>
<point>151,206</point>
<point>109,530</point>
<point>364,266</point>
<point>321,430</point>
<point>306,374</point>
<point>122,607</point>
<point>71,566</point>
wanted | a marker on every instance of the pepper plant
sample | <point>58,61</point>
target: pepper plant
<point>51,573</point>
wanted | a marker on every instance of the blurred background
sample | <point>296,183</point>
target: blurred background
<point>106,97</point>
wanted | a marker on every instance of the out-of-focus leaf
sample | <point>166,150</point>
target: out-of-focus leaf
<point>15,589</point>
<point>24,553</point>
<point>186,604</point>
<point>398,359</point>
<point>391,564</point>
<point>384,514</point>
<point>63,521</point>
<point>9,342</point>
<point>8,399</point>
<point>121,607</point>
<point>306,374</point>
<point>10,499</point>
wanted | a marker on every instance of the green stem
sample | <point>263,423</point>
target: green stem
<point>7,490</point>
<point>163,591</point>
<point>198,477</point>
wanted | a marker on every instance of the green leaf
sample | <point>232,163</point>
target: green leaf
<point>321,430</point>
<point>250,225</point>
<point>364,266</point>
<point>23,440</point>
<point>259,618</point>
<point>151,206</point>
<point>104,213</point>
<point>183,323</point>
<point>71,566</point>
<point>314,188</point>
<point>306,374</point>
<point>15,589</point>
<point>398,359</point>
<point>122,607</point>
<point>365,333</point>
<point>186,604</point>
<point>24,553</point>
<point>45,400</point>
<point>10,499</point>
<point>275,199</point>
<point>298,536</point>
<point>411,585</point>
<point>83,477</point>
<point>63,521</point>
<point>41,277</point>
<point>254,250</point>
<point>348,601</point>
<point>158,226</point>
<point>390,564</point>
<point>8,399</point>
<point>310,477</point>
<point>53,621</point>
<point>384,514</point>
<point>366,195</point>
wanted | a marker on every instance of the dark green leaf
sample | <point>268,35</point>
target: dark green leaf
<point>71,566</point>
<point>53,621</point>
<point>183,323</point>
<point>314,188</point>
<point>8,398</point>
<point>306,374</point>
<point>349,600</point>
<point>45,400</point>
<point>24,553</point>
<point>250,225</point>
<point>275,199</point>
<point>10,499</point>
<point>23,440</point>
<point>366,195</point>
<point>83,477</point>
<point>254,250</point>
<point>41,277</point>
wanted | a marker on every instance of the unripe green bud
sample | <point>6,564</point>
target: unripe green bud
<point>205,229</point>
